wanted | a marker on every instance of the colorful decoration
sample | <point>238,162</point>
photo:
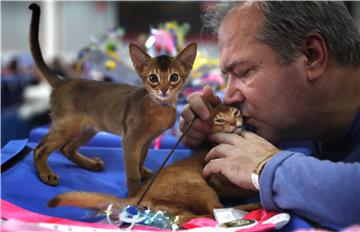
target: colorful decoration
<point>106,58</point>
<point>205,72</point>
<point>132,215</point>
<point>167,39</point>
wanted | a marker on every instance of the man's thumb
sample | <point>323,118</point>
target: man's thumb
<point>209,95</point>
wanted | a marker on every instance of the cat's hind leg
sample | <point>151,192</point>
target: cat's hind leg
<point>57,137</point>
<point>70,152</point>
<point>205,200</point>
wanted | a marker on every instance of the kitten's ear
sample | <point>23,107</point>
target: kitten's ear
<point>187,57</point>
<point>141,60</point>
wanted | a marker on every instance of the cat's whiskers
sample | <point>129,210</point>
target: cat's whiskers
<point>147,95</point>
<point>168,101</point>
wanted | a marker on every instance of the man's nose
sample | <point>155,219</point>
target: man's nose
<point>233,93</point>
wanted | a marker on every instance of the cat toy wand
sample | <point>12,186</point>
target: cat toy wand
<point>165,161</point>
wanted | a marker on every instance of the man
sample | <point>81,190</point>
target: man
<point>294,70</point>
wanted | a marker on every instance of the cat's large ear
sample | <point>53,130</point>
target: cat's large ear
<point>141,60</point>
<point>187,57</point>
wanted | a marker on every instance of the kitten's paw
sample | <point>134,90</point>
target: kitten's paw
<point>146,204</point>
<point>49,178</point>
<point>146,174</point>
<point>98,164</point>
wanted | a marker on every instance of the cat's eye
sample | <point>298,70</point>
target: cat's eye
<point>153,79</point>
<point>237,113</point>
<point>174,78</point>
<point>220,121</point>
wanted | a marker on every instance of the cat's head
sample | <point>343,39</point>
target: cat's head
<point>225,118</point>
<point>163,76</point>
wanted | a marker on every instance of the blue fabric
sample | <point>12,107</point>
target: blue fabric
<point>12,148</point>
<point>21,186</point>
<point>104,139</point>
<point>326,190</point>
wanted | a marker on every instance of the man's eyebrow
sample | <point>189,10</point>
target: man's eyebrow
<point>230,67</point>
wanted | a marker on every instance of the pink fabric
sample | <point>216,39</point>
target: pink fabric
<point>200,222</point>
<point>157,142</point>
<point>13,225</point>
<point>259,215</point>
<point>11,211</point>
<point>21,218</point>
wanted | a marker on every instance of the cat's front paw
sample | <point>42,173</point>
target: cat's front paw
<point>49,178</point>
<point>98,164</point>
<point>146,204</point>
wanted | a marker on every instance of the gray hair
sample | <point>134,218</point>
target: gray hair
<point>287,23</point>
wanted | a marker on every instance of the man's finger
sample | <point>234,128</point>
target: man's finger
<point>249,135</point>
<point>198,106</point>
<point>196,134</point>
<point>213,167</point>
<point>190,142</point>
<point>227,138</point>
<point>209,95</point>
<point>219,151</point>
<point>200,126</point>
<point>187,113</point>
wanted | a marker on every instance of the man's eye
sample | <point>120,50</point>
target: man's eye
<point>242,74</point>
<point>224,74</point>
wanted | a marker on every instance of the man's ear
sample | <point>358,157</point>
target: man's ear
<point>141,60</point>
<point>187,57</point>
<point>316,53</point>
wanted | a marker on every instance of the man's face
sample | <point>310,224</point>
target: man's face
<point>272,95</point>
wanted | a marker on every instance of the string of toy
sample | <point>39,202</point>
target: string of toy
<point>165,161</point>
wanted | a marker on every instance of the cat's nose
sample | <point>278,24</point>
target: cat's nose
<point>163,91</point>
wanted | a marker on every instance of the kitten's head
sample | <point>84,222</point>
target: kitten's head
<point>225,118</point>
<point>163,76</point>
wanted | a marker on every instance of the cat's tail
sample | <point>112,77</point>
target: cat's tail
<point>51,77</point>
<point>88,200</point>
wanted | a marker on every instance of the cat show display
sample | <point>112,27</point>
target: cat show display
<point>139,111</point>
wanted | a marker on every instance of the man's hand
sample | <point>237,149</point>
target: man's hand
<point>196,107</point>
<point>236,156</point>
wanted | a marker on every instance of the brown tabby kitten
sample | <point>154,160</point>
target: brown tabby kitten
<point>187,195</point>
<point>80,108</point>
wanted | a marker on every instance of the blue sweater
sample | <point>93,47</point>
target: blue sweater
<point>325,190</point>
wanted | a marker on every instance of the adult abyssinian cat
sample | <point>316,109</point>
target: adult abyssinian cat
<point>80,108</point>
<point>179,188</point>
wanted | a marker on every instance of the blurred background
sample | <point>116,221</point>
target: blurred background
<point>90,40</point>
